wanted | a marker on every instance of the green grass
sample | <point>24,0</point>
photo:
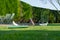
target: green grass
<point>54,24</point>
<point>30,33</point>
<point>51,28</point>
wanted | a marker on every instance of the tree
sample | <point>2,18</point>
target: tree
<point>26,12</point>
<point>10,6</point>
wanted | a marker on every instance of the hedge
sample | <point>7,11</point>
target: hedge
<point>10,6</point>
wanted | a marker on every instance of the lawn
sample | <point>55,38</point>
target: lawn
<point>30,33</point>
<point>51,28</point>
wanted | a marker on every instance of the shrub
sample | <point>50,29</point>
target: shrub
<point>10,6</point>
<point>26,12</point>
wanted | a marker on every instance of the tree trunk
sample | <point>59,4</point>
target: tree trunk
<point>32,21</point>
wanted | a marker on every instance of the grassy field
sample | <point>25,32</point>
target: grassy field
<point>30,33</point>
<point>51,28</point>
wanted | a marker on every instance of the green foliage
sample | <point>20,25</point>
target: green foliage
<point>26,11</point>
<point>51,17</point>
<point>40,14</point>
<point>44,15</point>
<point>10,6</point>
<point>2,7</point>
<point>36,14</point>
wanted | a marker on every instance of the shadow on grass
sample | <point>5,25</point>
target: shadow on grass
<point>29,35</point>
<point>16,27</point>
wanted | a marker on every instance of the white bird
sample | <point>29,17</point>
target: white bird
<point>15,23</point>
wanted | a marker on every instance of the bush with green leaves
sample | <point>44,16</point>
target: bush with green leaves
<point>40,14</point>
<point>26,11</point>
<point>10,6</point>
